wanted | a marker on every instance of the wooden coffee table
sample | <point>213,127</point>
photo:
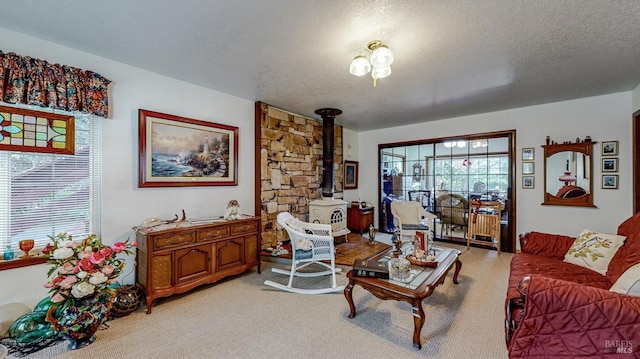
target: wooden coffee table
<point>420,284</point>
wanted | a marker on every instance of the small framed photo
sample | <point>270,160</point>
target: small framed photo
<point>528,182</point>
<point>528,168</point>
<point>528,154</point>
<point>610,181</point>
<point>610,148</point>
<point>610,164</point>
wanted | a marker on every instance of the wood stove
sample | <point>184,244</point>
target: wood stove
<point>330,211</point>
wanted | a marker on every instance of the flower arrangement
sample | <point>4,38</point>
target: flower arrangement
<point>82,269</point>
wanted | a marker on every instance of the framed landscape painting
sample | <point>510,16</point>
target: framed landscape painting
<point>177,151</point>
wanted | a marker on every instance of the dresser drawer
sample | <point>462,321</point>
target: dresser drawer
<point>217,232</point>
<point>245,227</point>
<point>173,240</point>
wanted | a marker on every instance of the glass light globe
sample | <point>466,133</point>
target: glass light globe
<point>359,66</point>
<point>382,57</point>
<point>380,72</point>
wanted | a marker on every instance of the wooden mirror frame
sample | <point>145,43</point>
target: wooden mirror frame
<point>585,148</point>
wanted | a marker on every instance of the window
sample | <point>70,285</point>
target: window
<point>46,194</point>
<point>445,175</point>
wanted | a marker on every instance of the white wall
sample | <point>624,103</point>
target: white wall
<point>350,138</point>
<point>604,118</point>
<point>124,204</point>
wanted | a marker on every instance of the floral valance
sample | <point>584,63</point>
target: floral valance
<point>36,82</point>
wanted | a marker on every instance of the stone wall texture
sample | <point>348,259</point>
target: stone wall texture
<point>291,167</point>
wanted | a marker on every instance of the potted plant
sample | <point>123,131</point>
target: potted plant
<point>79,284</point>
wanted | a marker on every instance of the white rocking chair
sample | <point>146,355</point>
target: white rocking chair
<point>311,243</point>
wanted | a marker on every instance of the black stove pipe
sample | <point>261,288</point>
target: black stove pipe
<point>328,115</point>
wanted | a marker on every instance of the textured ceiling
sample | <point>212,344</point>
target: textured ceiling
<point>452,58</point>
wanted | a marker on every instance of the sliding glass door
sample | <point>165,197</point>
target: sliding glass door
<point>444,175</point>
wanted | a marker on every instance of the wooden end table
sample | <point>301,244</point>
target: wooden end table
<point>420,284</point>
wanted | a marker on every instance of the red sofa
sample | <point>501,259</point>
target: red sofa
<point>556,309</point>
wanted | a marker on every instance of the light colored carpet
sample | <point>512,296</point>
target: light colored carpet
<point>240,317</point>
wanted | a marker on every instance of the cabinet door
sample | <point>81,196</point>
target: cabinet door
<point>192,263</point>
<point>229,254</point>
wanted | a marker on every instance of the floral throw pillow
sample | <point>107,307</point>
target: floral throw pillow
<point>594,250</point>
<point>629,282</point>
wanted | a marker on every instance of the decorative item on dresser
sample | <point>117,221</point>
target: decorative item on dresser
<point>175,259</point>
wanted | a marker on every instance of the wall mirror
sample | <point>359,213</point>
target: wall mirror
<point>568,174</point>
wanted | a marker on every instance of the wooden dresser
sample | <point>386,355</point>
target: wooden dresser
<point>173,259</point>
<point>359,219</point>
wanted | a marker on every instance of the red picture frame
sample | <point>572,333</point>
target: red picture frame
<point>177,151</point>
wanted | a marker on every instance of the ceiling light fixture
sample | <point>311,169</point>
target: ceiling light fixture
<point>379,61</point>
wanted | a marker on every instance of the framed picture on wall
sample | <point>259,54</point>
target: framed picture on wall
<point>350,174</point>
<point>177,151</point>
<point>527,168</point>
<point>528,154</point>
<point>610,164</point>
<point>527,182</point>
<point>610,181</point>
<point>610,148</point>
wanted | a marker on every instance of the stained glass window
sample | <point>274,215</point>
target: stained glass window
<point>36,131</point>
